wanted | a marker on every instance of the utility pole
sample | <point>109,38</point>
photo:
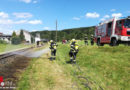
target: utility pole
<point>56,30</point>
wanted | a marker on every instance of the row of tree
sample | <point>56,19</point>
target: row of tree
<point>17,39</point>
<point>77,33</point>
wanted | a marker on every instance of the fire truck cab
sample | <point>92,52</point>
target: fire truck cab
<point>114,32</point>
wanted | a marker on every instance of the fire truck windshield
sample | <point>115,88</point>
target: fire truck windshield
<point>127,23</point>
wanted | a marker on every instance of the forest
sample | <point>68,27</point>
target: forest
<point>77,33</point>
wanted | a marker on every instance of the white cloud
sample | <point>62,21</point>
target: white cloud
<point>9,22</point>
<point>4,15</point>
<point>6,21</point>
<point>112,10</point>
<point>23,15</point>
<point>117,15</point>
<point>76,18</point>
<point>105,17</point>
<point>26,1</point>
<point>46,28</point>
<point>92,15</point>
<point>21,22</point>
<point>35,22</point>
<point>6,30</point>
<point>35,1</point>
<point>34,30</point>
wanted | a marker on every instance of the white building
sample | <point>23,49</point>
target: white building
<point>6,38</point>
<point>26,34</point>
<point>37,38</point>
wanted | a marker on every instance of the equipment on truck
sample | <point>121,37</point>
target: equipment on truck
<point>114,32</point>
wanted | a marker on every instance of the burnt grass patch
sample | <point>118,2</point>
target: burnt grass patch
<point>11,71</point>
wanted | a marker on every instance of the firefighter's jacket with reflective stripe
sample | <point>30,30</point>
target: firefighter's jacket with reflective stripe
<point>74,48</point>
<point>53,45</point>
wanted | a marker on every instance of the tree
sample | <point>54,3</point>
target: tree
<point>32,40</point>
<point>22,37</point>
<point>14,34</point>
<point>16,40</point>
<point>77,33</point>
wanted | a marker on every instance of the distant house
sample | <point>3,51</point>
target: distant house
<point>26,34</point>
<point>6,38</point>
<point>37,38</point>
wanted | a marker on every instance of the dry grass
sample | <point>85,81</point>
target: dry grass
<point>45,75</point>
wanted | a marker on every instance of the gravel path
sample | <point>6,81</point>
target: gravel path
<point>37,54</point>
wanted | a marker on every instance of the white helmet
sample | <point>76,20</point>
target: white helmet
<point>51,40</point>
<point>73,40</point>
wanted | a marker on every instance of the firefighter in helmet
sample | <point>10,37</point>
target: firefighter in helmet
<point>73,51</point>
<point>86,40</point>
<point>92,40</point>
<point>73,42</point>
<point>53,47</point>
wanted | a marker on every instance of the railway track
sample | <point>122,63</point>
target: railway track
<point>13,53</point>
<point>11,63</point>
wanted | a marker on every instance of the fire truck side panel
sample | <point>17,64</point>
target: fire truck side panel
<point>104,37</point>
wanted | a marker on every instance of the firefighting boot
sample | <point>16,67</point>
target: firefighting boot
<point>71,59</point>
<point>74,61</point>
<point>54,57</point>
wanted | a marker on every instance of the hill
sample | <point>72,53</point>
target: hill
<point>77,33</point>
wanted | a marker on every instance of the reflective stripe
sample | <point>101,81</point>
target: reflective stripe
<point>74,60</point>
<point>71,57</point>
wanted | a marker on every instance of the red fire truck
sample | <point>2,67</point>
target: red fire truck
<point>114,32</point>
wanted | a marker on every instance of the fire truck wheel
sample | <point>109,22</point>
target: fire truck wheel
<point>114,42</point>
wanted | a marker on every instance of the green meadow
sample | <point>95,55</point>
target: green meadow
<point>97,68</point>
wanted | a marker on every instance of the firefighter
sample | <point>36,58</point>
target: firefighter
<point>73,42</point>
<point>86,40</point>
<point>53,47</point>
<point>92,40</point>
<point>73,52</point>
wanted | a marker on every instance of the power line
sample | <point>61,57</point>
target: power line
<point>56,30</point>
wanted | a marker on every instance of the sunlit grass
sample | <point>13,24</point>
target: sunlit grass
<point>9,47</point>
<point>108,66</point>
<point>43,74</point>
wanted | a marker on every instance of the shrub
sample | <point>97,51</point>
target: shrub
<point>16,40</point>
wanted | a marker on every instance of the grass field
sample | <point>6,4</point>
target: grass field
<point>108,66</point>
<point>104,67</point>
<point>9,47</point>
<point>43,74</point>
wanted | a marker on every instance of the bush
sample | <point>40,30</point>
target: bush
<point>16,40</point>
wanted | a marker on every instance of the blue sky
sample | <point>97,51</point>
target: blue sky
<point>35,15</point>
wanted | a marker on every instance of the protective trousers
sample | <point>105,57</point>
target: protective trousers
<point>72,56</point>
<point>53,54</point>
